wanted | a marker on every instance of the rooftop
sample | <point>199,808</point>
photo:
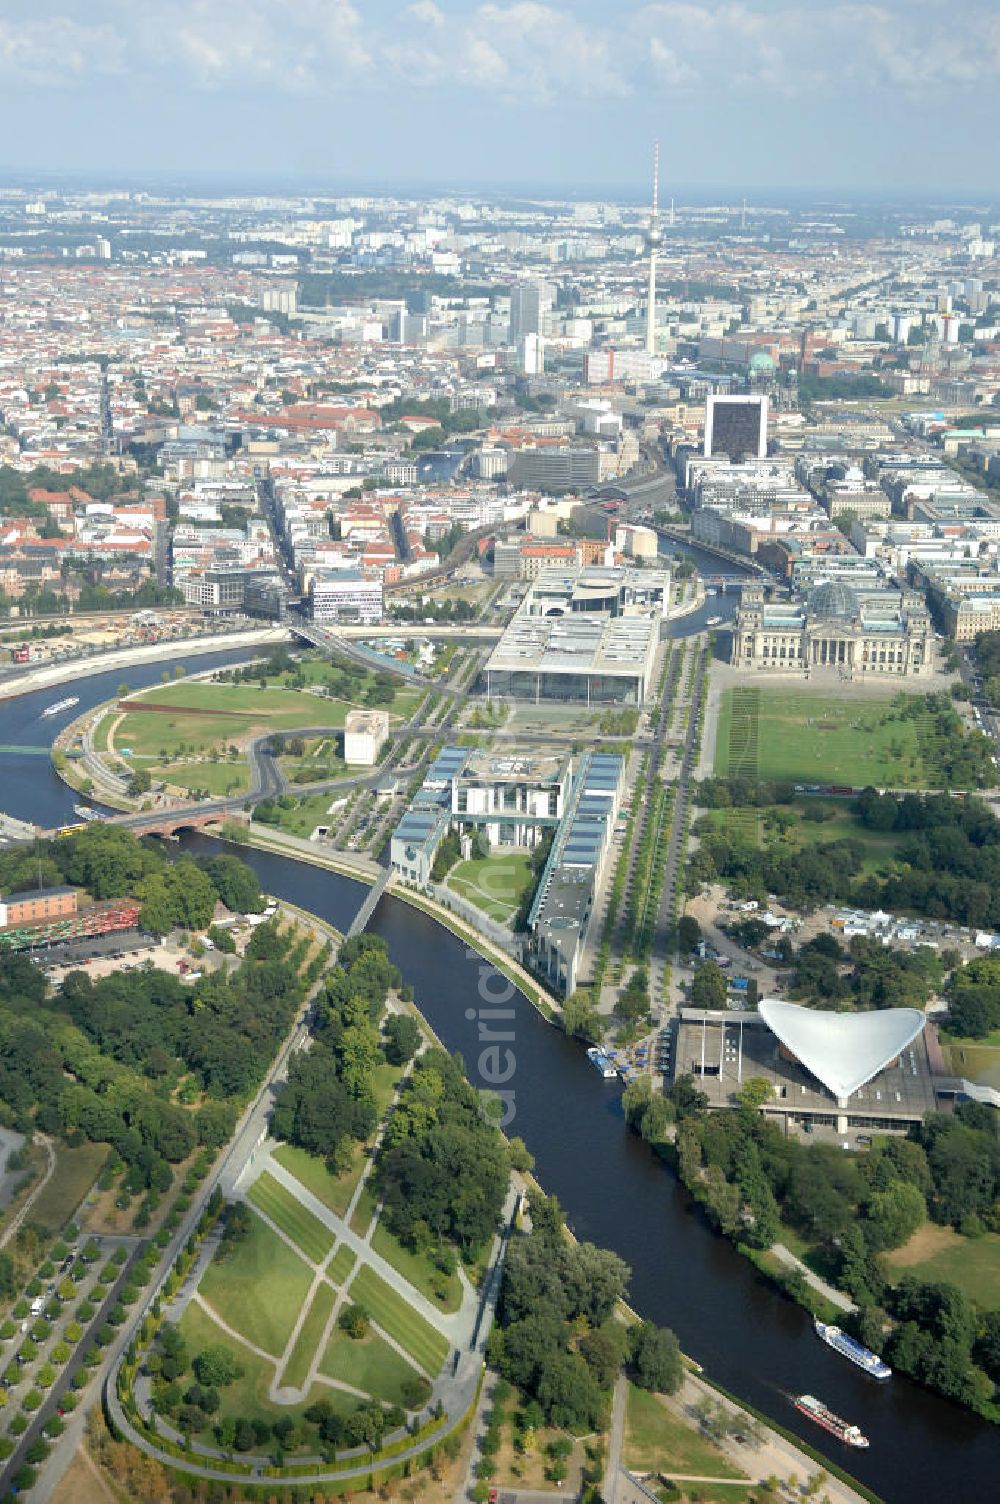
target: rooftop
<point>595,644</point>
<point>842,1050</point>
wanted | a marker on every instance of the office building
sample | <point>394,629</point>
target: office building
<point>736,427</point>
<point>557,467</point>
<point>365,734</point>
<point>530,303</point>
<point>345,595</point>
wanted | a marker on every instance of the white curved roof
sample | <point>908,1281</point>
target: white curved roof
<point>843,1050</point>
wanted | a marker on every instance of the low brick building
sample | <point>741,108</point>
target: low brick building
<point>37,906</point>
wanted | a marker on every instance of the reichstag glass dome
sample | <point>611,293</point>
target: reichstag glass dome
<point>833,601</point>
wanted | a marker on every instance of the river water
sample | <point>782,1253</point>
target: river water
<point>614,1191</point>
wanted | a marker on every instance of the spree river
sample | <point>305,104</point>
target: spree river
<point>613,1189</point>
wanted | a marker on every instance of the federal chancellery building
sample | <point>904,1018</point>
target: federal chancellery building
<point>835,627</point>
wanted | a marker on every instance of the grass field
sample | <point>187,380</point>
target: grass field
<point>74,1174</point>
<point>259,1289</point>
<point>341,1264</point>
<point>799,833</point>
<point>248,1395</point>
<point>387,1078</point>
<point>361,1218</point>
<point>217,777</point>
<point>207,715</point>
<point>294,1220</point>
<point>974,1059</point>
<point>940,1253</point>
<point>424,1343</point>
<point>310,811</point>
<point>495,884</point>
<point>369,1363</point>
<point>442,1290</point>
<point>309,1338</point>
<point>789,735</point>
<point>657,1441</point>
<point>335,1191</point>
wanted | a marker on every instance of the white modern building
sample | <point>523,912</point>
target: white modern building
<point>365,734</point>
<point>345,595</point>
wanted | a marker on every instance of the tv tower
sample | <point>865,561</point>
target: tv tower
<point>654,237</point>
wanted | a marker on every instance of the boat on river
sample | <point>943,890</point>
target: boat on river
<point>59,705</point>
<point>862,1357</point>
<point>815,1409</point>
<point>602,1063</point>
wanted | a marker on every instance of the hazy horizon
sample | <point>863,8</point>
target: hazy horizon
<point>893,100</point>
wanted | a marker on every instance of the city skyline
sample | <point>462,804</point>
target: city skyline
<point>869,99</point>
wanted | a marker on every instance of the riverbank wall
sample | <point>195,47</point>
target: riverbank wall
<point>46,676</point>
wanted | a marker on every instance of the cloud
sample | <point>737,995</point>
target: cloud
<point>801,49</point>
<point>58,49</point>
<point>427,12</point>
<point>540,51</point>
<point>549,53</point>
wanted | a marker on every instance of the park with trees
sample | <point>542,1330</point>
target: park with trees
<point>849,1213</point>
<point>921,854</point>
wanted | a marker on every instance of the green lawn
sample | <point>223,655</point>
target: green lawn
<point>74,1174</point>
<point>335,1191</point>
<point>370,1364</point>
<point>204,715</point>
<point>939,1253</point>
<point>495,884</point>
<point>341,1264</point>
<point>790,735</point>
<point>319,671</point>
<point>310,1336</point>
<point>247,1397</point>
<point>217,777</point>
<point>294,1220</point>
<point>442,1290</point>
<point>361,1218</point>
<point>387,1078</point>
<point>657,1441</point>
<point>879,846</point>
<point>259,1289</point>
<point>321,760</point>
<point>424,1343</point>
<point>784,829</point>
<point>975,1060</point>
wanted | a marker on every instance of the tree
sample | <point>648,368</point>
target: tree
<point>894,1214</point>
<point>402,1038</point>
<point>353,1320</point>
<point>688,934</point>
<point>754,1092</point>
<point>216,1366</point>
<point>140,782</point>
<point>655,1358</point>
<point>708,986</point>
<point>581,1018</point>
<point>604,1350</point>
<point>520,1156</point>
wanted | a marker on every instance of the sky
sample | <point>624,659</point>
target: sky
<point>826,96</point>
